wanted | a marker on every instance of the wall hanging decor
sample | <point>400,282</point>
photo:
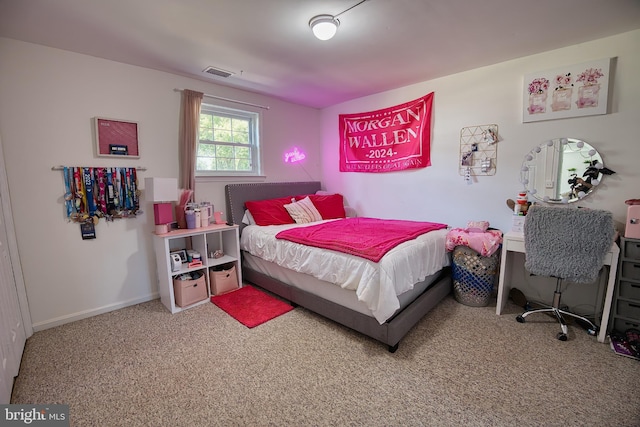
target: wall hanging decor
<point>571,91</point>
<point>478,151</point>
<point>92,193</point>
<point>116,138</point>
<point>387,140</point>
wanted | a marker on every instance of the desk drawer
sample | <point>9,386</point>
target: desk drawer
<point>629,290</point>
<point>631,270</point>
<point>632,249</point>
<point>628,309</point>
<point>515,245</point>
<point>622,325</point>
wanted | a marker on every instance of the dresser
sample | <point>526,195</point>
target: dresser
<point>625,313</point>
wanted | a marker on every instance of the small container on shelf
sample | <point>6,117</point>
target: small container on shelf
<point>223,278</point>
<point>189,288</point>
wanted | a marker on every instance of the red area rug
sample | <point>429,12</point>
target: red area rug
<point>250,306</point>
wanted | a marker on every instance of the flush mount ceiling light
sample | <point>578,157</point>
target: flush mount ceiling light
<point>325,26</point>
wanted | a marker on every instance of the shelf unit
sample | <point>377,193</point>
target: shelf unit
<point>626,303</point>
<point>204,240</point>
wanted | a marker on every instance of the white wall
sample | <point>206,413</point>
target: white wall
<point>488,95</point>
<point>48,99</point>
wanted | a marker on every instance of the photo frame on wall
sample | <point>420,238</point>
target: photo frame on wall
<point>571,91</point>
<point>116,138</point>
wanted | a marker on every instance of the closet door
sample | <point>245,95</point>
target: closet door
<point>12,332</point>
<point>14,309</point>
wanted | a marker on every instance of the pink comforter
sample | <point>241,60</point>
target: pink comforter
<point>369,238</point>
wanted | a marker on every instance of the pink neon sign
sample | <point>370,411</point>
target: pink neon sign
<point>294,156</point>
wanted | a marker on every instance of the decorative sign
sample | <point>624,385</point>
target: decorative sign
<point>294,155</point>
<point>116,138</point>
<point>387,140</point>
<point>572,91</point>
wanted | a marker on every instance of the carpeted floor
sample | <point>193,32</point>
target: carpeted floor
<point>460,366</point>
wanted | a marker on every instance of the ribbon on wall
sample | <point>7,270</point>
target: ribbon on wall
<point>94,193</point>
<point>387,140</point>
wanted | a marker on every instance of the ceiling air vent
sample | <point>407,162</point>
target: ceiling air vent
<point>217,72</point>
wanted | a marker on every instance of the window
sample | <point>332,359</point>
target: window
<point>228,142</point>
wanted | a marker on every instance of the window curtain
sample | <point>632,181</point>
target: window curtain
<point>191,102</point>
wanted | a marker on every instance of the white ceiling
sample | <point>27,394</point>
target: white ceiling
<point>380,45</point>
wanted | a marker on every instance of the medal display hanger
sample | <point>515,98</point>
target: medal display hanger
<point>91,193</point>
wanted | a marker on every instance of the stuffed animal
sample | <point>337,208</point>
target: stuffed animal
<point>523,208</point>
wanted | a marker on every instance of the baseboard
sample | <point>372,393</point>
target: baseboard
<point>40,326</point>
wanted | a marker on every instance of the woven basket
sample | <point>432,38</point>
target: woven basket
<point>473,276</point>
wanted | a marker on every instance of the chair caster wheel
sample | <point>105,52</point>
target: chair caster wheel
<point>520,319</point>
<point>562,337</point>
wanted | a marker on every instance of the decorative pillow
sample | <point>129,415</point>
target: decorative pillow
<point>270,211</point>
<point>330,206</point>
<point>247,218</point>
<point>477,226</point>
<point>303,211</point>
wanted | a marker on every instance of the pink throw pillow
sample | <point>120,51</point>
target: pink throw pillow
<point>270,212</point>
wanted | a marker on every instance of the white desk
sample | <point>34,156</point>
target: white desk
<point>514,242</point>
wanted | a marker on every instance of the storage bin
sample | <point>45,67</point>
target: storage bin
<point>628,309</point>
<point>473,276</point>
<point>189,291</point>
<point>629,290</point>
<point>622,325</point>
<point>631,270</point>
<point>632,249</point>
<point>224,280</point>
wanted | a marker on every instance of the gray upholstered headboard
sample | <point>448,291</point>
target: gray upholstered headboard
<point>237,194</point>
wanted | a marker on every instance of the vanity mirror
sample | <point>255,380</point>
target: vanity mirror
<point>562,170</point>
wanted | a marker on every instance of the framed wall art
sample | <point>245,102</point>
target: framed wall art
<point>116,138</point>
<point>571,91</point>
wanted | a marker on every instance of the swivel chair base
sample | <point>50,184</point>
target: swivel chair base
<point>559,313</point>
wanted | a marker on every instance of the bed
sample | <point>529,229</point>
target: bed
<point>337,303</point>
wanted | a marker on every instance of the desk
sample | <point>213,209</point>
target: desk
<point>514,242</point>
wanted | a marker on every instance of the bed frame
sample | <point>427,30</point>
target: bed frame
<point>389,333</point>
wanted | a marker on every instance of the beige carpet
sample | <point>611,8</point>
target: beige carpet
<point>142,366</point>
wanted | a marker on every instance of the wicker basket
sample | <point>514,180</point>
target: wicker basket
<point>473,276</point>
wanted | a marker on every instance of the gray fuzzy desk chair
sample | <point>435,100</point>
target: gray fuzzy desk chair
<point>568,244</point>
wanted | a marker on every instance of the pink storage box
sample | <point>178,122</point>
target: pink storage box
<point>223,281</point>
<point>632,228</point>
<point>187,292</point>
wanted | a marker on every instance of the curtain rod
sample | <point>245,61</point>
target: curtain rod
<point>59,168</point>
<point>230,100</point>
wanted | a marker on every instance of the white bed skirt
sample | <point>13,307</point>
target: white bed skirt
<point>325,290</point>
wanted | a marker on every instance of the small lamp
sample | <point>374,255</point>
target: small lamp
<point>162,191</point>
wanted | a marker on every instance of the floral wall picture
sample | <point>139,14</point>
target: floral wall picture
<point>572,91</point>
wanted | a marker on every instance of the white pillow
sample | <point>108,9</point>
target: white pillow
<point>303,211</point>
<point>247,218</point>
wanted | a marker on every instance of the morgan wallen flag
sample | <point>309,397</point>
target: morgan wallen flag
<point>391,139</point>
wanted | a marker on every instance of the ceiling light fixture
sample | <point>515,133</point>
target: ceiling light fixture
<point>325,26</point>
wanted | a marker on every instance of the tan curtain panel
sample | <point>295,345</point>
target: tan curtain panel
<point>191,102</point>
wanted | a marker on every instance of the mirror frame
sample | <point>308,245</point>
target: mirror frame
<point>570,185</point>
